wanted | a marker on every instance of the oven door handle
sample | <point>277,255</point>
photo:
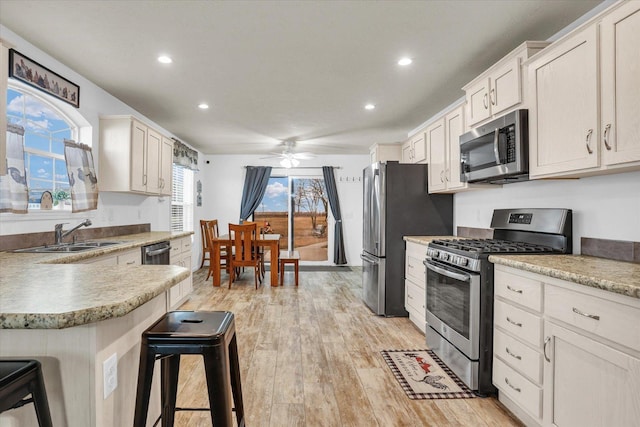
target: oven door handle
<point>448,273</point>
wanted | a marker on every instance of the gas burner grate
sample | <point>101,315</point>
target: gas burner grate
<point>491,246</point>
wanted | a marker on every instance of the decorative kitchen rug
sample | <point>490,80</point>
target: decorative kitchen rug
<point>422,375</point>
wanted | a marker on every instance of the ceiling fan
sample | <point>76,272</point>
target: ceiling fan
<point>288,157</point>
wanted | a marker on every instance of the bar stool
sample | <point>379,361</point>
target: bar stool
<point>289,257</point>
<point>209,333</point>
<point>20,378</point>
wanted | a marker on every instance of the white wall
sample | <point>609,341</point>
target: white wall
<point>605,207</point>
<point>223,179</point>
<point>113,208</point>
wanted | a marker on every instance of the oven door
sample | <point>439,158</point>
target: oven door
<point>453,305</point>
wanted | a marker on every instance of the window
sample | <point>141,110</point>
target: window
<point>182,199</point>
<point>45,131</point>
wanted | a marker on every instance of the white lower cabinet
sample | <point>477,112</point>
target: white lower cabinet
<point>568,355</point>
<point>414,284</point>
<point>181,256</point>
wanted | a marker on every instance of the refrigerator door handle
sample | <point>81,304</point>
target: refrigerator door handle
<point>369,259</point>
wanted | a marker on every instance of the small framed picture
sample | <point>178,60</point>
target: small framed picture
<point>30,72</point>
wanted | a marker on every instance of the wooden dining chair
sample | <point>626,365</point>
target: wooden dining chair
<point>210,231</point>
<point>258,249</point>
<point>243,251</point>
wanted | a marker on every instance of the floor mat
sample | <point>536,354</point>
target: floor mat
<point>422,375</point>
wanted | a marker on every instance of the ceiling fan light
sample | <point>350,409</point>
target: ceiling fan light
<point>295,162</point>
<point>285,163</point>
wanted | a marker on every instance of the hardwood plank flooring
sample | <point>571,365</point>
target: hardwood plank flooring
<point>310,356</point>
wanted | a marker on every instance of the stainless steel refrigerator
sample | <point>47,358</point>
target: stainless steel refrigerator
<point>396,204</point>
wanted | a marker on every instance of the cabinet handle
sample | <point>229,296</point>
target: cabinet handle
<point>442,176</point>
<point>515,356</point>
<point>446,175</point>
<point>547,340</point>
<point>131,262</point>
<point>484,101</point>
<point>144,179</point>
<point>517,291</point>
<point>590,316</point>
<point>518,324</point>
<point>492,97</point>
<point>607,128</point>
<point>511,385</point>
<point>587,141</point>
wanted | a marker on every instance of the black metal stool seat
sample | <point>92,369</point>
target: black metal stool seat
<point>19,379</point>
<point>209,333</point>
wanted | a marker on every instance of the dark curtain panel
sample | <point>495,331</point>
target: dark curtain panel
<point>339,257</point>
<point>255,184</point>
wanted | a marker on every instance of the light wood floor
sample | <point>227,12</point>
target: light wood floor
<point>311,357</point>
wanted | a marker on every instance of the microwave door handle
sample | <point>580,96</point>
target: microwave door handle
<point>448,273</point>
<point>496,146</point>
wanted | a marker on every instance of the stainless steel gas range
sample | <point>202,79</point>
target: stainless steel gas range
<point>459,286</point>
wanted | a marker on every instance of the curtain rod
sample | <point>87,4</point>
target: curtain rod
<point>300,167</point>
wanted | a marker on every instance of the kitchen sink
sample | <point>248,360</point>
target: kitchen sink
<point>68,247</point>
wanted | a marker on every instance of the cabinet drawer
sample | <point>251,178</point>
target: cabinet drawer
<point>415,269</point>
<point>522,391</point>
<point>415,297</point>
<point>518,322</point>
<point>521,290</point>
<point>176,247</point>
<point>611,320</point>
<point>519,356</point>
<point>133,257</point>
<point>186,244</point>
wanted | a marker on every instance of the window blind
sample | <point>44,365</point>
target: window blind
<point>182,199</point>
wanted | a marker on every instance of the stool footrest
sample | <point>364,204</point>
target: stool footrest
<point>22,403</point>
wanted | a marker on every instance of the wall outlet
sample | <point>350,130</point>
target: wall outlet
<point>110,374</point>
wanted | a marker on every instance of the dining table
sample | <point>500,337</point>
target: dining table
<point>270,241</point>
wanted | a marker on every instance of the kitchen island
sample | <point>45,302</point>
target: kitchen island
<point>72,317</point>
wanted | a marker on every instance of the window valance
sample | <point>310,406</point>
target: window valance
<point>184,156</point>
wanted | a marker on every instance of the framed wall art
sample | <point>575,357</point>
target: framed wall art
<point>30,72</point>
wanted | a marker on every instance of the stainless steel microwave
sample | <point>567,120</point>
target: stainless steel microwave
<point>496,152</point>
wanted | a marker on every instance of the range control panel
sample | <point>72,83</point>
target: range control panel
<point>520,218</point>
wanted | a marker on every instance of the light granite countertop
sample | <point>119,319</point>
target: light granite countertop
<point>613,276</point>
<point>424,240</point>
<point>49,291</point>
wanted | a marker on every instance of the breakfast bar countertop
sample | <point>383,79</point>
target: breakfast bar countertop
<point>49,291</point>
<point>614,276</point>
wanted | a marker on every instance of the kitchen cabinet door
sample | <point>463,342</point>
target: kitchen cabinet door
<point>620,66</point>
<point>407,155</point>
<point>419,147</point>
<point>166,166</point>
<point>587,383</point>
<point>437,155</point>
<point>506,87</point>
<point>454,127</point>
<point>478,101</point>
<point>563,126</point>
<point>154,145</point>
<point>138,156</point>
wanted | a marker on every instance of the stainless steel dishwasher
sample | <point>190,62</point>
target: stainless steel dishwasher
<point>156,254</point>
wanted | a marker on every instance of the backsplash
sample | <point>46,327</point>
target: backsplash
<point>474,233</point>
<point>29,240</point>
<point>619,250</point>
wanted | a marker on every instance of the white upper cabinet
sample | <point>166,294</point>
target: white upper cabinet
<point>581,125</point>
<point>134,157</point>
<point>500,87</point>
<point>385,152</point>
<point>414,150</point>
<point>620,68</point>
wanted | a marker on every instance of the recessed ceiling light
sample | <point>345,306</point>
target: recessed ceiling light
<point>203,106</point>
<point>369,107</point>
<point>165,59</point>
<point>405,61</point>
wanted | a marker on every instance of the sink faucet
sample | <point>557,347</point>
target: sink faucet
<point>60,234</point>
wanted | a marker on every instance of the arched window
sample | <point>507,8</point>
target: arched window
<point>46,128</point>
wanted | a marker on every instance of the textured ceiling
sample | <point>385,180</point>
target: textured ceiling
<point>282,70</point>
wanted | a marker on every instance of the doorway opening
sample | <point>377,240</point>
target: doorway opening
<point>297,209</point>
